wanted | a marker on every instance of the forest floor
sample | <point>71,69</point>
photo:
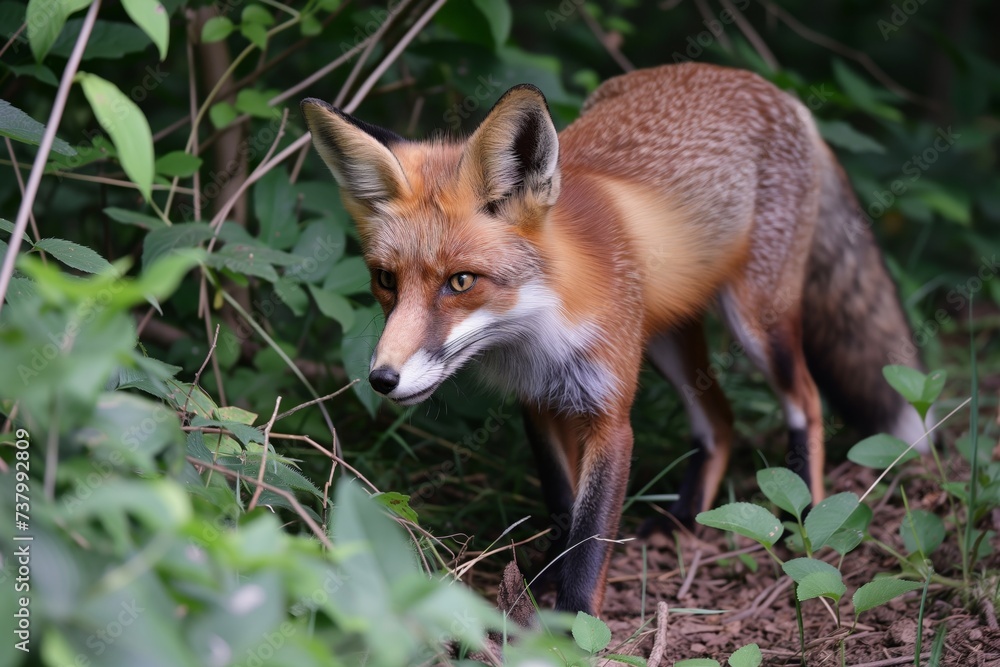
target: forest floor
<point>757,602</point>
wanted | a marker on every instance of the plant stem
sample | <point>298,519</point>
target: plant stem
<point>44,148</point>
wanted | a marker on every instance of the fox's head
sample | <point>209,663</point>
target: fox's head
<point>449,231</point>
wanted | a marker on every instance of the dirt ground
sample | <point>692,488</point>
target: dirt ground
<point>759,607</point>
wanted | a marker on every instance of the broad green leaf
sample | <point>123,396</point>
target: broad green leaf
<point>235,414</point>
<point>633,660</point>
<point>800,568</point>
<point>821,584</point>
<point>37,71</point>
<point>111,40</point>
<point>129,217</point>
<point>918,389</point>
<point>216,29</point>
<point>77,256</point>
<point>864,95</point>
<point>8,226</point>
<point>880,591</point>
<point>840,133</point>
<point>45,20</point>
<point>292,295</point>
<point>785,489</point>
<point>126,125</point>
<point>132,426</point>
<point>746,656</point>
<point>922,532</point>
<point>159,503</point>
<point>152,17</point>
<point>222,114</point>
<point>320,245</point>
<point>398,503</point>
<point>19,126</point>
<point>827,517</point>
<point>243,259</point>
<point>498,16</point>
<point>955,207</point>
<point>257,14</point>
<point>160,242</point>
<point>697,662</point>
<point>256,33</point>
<point>246,434</point>
<point>591,633</point>
<point>880,451</point>
<point>852,533</point>
<point>178,163</point>
<point>357,347</point>
<point>334,306</point>
<point>274,205</point>
<point>348,276</point>
<point>310,26</point>
<point>746,519</point>
<point>254,102</point>
<point>964,445</point>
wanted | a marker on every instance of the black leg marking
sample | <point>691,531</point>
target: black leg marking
<point>798,453</point>
<point>557,493</point>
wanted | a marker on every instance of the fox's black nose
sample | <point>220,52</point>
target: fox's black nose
<point>383,379</point>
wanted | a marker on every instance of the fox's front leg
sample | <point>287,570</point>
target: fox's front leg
<point>596,451</point>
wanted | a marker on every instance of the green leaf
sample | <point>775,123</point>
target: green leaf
<point>880,591</point>
<point>746,656</point>
<point>292,295</point>
<point>954,207</point>
<point>126,125</point>
<point>19,126</point>
<point>348,276</point>
<point>852,532</point>
<point>880,450</point>
<point>45,20</point>
<point>633,660</point>
<point>918,389</point>
<point>356,349</point>
<point>865,96</point>
<point>843,135</point>
<point>320,245</point>
<point>256,33</point>
<point>152,17</point>
<point>129,217</point>
<point>178,163</point>
<point>800,568</point>
<point>109,40</point>
<point>334,306</point>
<point>216,29</point>
<point>785,489</point>
<point>235,414</point>
<point>222,114</point>
<point>254,102</point>
<point>827,517</point>
<point>159,503</point>
<point>8,226</point>
<point>310,26</point>
<point>922,532</point>
<point>498,16</point>
<point>745,519</point>
<point>591,633</point>
<point>37,71</point>
<point>274,204</point>
<point>257,14</point>
<point>244,433</point>
<point>697,662</point>
<point>398,503</point>
<point>76,256</point>
<point>822,584</point>
<point>242,259</point>
<point>166,240</point>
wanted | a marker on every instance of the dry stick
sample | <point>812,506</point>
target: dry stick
<point>752,36</point>
<point>707,18</point>
<point>288,413</point>
<point>20,185</point>
<point>605,41</point>
<point>263,458</point>
<point>193,112</point>
<point>103,180</point>
<point>197,376</point>
<point>207,319</point>
<point>359,65</point>
<point>38,167</point>
<point>689,579</point>
<point>893,661</point>
<point>273,489</point>
<point>13,38</point>
<point>660,643</point>
<point>860,57</point>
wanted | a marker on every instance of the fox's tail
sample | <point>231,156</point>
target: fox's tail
<point>853,322</point>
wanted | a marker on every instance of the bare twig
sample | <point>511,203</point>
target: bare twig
<point>197,376</point>
<point>752,36</point>
<point>689,579</point>
<point>606,41</point>
<point>13,38</point>
<point>20,185</point>
<point>44,148</point>
<point>317,400</point>
<point>263,456</point>
<point>660,643</point>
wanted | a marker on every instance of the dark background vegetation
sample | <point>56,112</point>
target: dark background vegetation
<point>885,80</point>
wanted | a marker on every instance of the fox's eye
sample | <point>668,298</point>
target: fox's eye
<point>461,282</point>
<point>386,280</point>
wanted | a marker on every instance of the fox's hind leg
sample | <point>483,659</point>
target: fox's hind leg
<point>681,356</point>
<point>768,325</point>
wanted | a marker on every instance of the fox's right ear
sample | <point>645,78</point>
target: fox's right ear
<point>357,153</point>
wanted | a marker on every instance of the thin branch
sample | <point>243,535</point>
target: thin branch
<point>292,500</point>
<point>38,168</point>
<point>20,185</point>
<point>197,376</point>
<point>606,41</point>
<point>752,36</point>
<point>317,400</point>
<point>263,457</point>
<point>13,38</point>
<point>373,42</point>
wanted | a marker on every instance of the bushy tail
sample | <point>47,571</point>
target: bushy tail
<point>853,322</point>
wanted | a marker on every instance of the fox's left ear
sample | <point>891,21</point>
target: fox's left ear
<point>515,151</point>
<point>359,154</point>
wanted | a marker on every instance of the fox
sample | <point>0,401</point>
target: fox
<point>560,261</point>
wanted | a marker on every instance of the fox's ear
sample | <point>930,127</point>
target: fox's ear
<point>515,151</point>
<point>357,153</point>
